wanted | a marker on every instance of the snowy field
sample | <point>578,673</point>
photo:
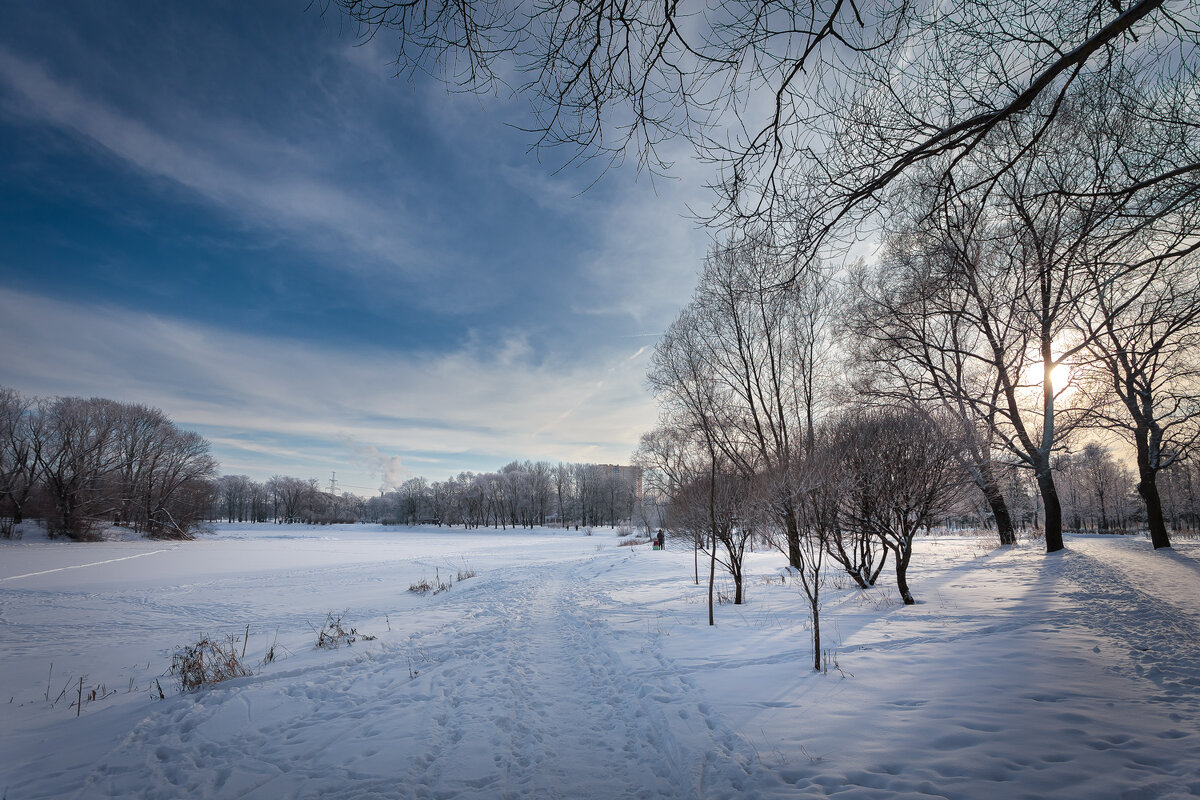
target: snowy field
<point>571,668</point>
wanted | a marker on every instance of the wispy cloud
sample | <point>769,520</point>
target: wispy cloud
<point>460,407</point>
<point>251,176</point>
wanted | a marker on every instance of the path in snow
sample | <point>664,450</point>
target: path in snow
<point>1156,632</point>
<point>523,696</point>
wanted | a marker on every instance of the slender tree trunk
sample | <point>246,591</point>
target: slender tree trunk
<point>712,520</point>
<point>712,578</point>
<point>902,557</point>
<point>816,623</point>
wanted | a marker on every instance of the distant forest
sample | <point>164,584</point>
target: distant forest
<point>81,464</point>
<point>522,494</point>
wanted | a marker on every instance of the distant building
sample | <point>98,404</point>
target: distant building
<point>632,475</point>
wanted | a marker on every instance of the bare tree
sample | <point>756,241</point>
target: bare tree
<point>176,487</point>
<point>682,380</point>
<point>856,548</point>
<point>20,443</point>
<point>76,458</point>
<point>909,350</point>
<point>817,494</point>
<point>1004,272</point>
<point>766,350</point>
<point>1104,484</point>
<point>1145,352</point>
<point>290,497</point>
<point>1180,487</point>
<point>718,511</point>
<point>671,463</point>
<point>814,105</point>
<point>232,497</point>
<point>898,475</point>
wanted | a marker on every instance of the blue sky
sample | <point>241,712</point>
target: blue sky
<point>237,213</point>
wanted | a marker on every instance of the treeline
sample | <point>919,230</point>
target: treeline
<point>522,494</point>
<point>82,463</point>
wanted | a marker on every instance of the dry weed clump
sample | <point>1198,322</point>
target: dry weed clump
<point>333,635</point>
<point>207,662</point>
<point>437,585</point>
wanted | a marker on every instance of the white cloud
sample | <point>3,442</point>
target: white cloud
<point>251,176</point>
<point>285,398</point>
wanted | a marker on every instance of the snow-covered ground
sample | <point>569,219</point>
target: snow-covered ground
<point>569,667</point>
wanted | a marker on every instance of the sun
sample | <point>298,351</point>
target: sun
<point>1060,376</point>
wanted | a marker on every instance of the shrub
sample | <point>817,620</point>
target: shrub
<point>333,635</point>
<point>207,662</point>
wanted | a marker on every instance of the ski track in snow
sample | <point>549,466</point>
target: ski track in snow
<point>81,566</point>
<point>523,696</point>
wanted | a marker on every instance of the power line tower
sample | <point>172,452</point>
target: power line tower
<point>333,483</point>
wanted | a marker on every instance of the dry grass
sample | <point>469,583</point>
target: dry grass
<point>207,662</point>
<point>334,634</point>
<point>437,585</point>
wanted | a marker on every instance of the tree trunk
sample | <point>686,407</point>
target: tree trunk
<point>712,578</point>
<point>879,569</point>
<point>1053,527</point>
<point>1148,488</point>
<point>1104,524</point>
<point>792,529</point>
<point>902,578</point>
<point>1004,525</point>
<point>816,623</point>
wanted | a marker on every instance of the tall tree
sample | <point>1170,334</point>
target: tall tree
<point>1146,351</point>
<point>20,443</point>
